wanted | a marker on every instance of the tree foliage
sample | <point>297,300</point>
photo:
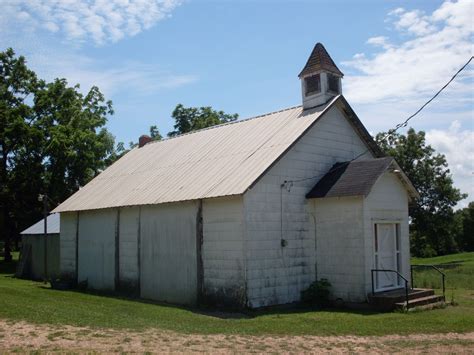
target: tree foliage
<point>433,227</point>
<point>465,219</point>
<point>188,119</point>
<point>52,140</point>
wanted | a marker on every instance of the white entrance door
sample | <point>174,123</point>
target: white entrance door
<point>386,256</point>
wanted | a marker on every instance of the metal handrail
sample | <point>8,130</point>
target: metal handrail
<point>443,275</point>
<point>399,275</point>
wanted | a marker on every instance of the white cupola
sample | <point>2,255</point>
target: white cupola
<point>320,78</point>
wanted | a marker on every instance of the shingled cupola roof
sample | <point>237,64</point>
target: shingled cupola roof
<point>320,60</point>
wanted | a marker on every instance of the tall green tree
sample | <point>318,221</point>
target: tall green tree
<point>188,119</point>
<point>52,140</point>
<point>433,228</point>
<point>465,218</point>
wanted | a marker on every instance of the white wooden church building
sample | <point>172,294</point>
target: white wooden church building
<point>247,213</point>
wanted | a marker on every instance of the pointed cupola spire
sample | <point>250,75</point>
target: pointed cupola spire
<point>320,78</point>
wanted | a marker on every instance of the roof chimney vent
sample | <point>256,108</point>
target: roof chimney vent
<point>144,139</point>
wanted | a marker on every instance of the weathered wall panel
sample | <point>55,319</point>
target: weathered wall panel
<point>128,250</point>
<point>37,255</point>
<point>97,230</point>
<point>278,274</point>
<point>168,270</point>
<point>340,246</point>
<point>67,244</point>
<point>222,251</point>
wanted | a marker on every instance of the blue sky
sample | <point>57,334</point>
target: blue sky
<point>244,56</point>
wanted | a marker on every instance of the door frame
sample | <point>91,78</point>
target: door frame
<point>396,248</point>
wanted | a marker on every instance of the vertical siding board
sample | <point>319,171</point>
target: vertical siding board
<point>223,251</point>
<point>68,245</point>
<point>168,265</point>
<point>199,242</point>
<point>76,250</point>
<point>128,249</point>
<point>117,251</point>
<point>139,244</point>
<point>96,248</point>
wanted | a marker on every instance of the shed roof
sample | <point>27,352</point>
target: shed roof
<point>222,160</point>
<point>356,178</point>
<point>38,228</point>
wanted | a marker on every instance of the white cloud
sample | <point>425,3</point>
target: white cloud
<point>422,53</point>
<point>419,65</point>
<point>414,22</point>
<point>101,21</point>
<point>381,41</point>
<point>458,146</point>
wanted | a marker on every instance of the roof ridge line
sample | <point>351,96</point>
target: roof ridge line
<point>225,124</point>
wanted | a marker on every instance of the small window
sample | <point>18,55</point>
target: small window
<point>333,83</point>
<point>312,85</point>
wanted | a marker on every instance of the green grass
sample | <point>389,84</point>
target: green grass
<point>459,270</point>
<point>34,302</point>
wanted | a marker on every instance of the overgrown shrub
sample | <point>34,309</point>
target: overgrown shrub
<point>317,294</point>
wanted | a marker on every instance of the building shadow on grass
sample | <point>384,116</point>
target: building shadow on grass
<point>219,311</point>
<point>8,267</point>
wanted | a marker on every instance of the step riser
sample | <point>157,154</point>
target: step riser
<point>380,300</point>
<point>417,303</point>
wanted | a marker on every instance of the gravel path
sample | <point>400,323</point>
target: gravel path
<point>25,337</point>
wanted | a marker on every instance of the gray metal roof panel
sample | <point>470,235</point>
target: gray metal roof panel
<point>38,227</point>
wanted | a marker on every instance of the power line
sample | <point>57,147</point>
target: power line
<point>397,127</point>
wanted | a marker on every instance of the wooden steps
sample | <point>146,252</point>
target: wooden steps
<point>396,299</point>
<point>421,301</point>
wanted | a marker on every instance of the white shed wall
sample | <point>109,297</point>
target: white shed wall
<point>276,274</point>
<point>168,252</point>
<point>67,244</point>
<point>97,231</point>
<point>340,246</point>
<point>388,201</point>
<point>222,251</point>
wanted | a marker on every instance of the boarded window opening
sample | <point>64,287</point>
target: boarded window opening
<point>312,85</point>
<point>333,83</point>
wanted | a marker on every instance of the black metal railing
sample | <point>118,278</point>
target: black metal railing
<point>407,289</point>
<point>443,275</point>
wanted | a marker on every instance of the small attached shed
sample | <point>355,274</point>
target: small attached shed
<point>34,243</point>
<point>360,209</point>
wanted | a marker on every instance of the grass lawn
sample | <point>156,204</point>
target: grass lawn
<point>34,302</point>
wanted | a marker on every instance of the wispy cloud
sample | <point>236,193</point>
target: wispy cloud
<point>458,146</point>
<point>401,71</point>
<point>98,21</point>
<point>134,78</point>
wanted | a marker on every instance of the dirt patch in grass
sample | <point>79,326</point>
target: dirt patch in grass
<point>21,336</point>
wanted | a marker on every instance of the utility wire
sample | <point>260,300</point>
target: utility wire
<point>392,131</point>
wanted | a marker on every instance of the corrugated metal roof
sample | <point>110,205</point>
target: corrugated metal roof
<point>219,161</point>
<point>38,228</point>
